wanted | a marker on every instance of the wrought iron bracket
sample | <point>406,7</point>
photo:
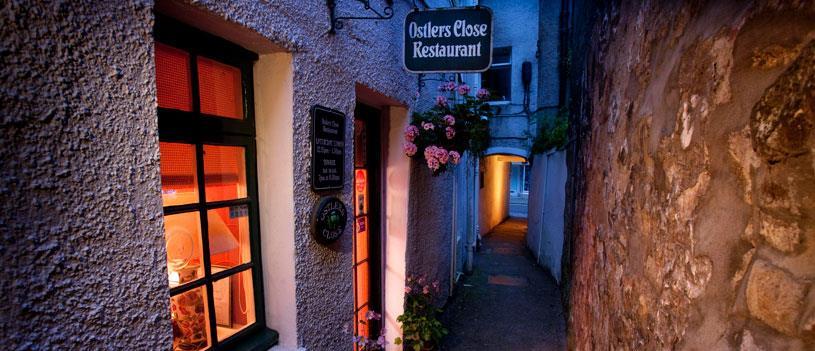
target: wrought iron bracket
<point>336,22</point>
<point>422,79</point>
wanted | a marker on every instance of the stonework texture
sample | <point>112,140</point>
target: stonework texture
<point>694,225</point>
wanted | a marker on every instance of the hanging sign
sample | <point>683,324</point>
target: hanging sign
<point>448,40</point>
<point>328,222</point>
<point>327,148</point>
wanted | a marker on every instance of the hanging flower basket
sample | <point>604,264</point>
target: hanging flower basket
<point>456,124</point>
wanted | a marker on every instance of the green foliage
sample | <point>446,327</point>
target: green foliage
<point>552,132</point>
<point>421,328</point>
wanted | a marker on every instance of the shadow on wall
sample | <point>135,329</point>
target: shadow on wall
<point>494,191</point>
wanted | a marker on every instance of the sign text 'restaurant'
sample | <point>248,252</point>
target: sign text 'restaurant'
<point>448,40</point>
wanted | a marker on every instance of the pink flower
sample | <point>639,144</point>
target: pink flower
<point>433,164</point>
<point>409,148</point>
<point>428,126</point>
<point>464,89</point>
<point>411,132</point>
<point>381,340</point>
<point>482,94</point>
<point>407,290</point>
<point>441,101</point>
<point>449,119</point>
<point>454,157</point>
<point>426,290</point>
<point>441,155</point>
<point>372,315</point>
<point>449,86</point>
<point>430,152</point>
<point>450,132</point>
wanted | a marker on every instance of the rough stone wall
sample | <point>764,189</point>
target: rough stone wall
<point>81,242</point>
<point>429,247</point>
<point>695,220</point>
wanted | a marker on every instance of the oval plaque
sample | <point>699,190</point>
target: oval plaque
<point>329,219</point>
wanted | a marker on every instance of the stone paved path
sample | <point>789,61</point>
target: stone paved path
<point>508,303</point>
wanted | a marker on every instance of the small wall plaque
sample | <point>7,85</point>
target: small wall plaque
<point>328,221</point>
<point>327,148</point>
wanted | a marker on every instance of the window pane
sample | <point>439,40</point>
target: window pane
<point>224,172</point>
<point>173,78</point>
<point>229,236</point>
<point>501,55</point>
<point>179,182</point>
<point>190,317</point>
<point>183,235</point>
<point>498,81</point>
<point>362,284</point>
<point>234,303</point>
<point>360,192</point>
<point>219,86</point>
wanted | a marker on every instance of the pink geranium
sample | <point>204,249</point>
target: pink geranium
<point>441,155</point>
<point>409,148</point>
<point>428,126</point>
<point>450,132</point>
<point>433,164</point>
<point>454,157</point>
<point>449,120</point>
<point>411,132</point>
<point>464,89</point>
<point>441,101</point>
<point>482,94</point>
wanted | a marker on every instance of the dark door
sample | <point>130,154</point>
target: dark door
<point>367,202</point>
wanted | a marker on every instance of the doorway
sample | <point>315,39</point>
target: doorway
<point>367,225</point>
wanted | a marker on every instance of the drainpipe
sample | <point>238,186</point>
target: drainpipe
<point>473,210</point>
<point>453,248</point>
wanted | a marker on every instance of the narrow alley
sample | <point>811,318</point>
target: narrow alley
<point>509,302</point>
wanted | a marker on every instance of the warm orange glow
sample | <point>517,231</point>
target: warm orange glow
<point>361,239</point>
<point>224,172</point>
<point>179,184</point>
<point>220,89</point>
<point>173,88</point>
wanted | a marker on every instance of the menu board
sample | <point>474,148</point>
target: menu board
<point>327,148</point>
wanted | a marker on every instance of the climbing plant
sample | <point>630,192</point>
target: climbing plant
<point>552,132</point>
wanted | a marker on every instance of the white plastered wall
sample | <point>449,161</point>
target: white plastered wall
<point>274,127</point>
<point>397,181</point>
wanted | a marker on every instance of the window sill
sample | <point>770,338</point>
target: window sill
<point>261,340</point>
<point>498,103</point>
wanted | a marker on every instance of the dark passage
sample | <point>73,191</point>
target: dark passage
<point>509,302</point>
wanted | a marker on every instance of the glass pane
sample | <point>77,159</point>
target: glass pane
<point>498,81</point>
<point>361,241</point>
<point>190,317</point>
<point>234,303</point>
<point>229,236</point>
<point>184,255</point>
<point>179,182</point>
<point>360,142</point>
<point>360,192</point>
<point>224,172</point>
<point>173,78</point>
<point>362,288</point>
<point>501,55</point>
<point>219,86</point>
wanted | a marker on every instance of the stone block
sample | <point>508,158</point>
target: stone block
<point>782,235</point>
<point>775,297</point>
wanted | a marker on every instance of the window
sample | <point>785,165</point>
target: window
<point>208,188</point>
<point>498,79</point>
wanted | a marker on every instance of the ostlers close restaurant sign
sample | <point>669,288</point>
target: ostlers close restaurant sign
<point>448,40</point>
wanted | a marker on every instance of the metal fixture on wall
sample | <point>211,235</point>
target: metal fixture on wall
<point>337,22</point>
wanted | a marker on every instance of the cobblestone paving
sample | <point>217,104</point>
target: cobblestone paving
<point>508,303</point>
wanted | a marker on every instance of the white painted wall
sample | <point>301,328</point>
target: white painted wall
<point>274,118</point>
<point>547,198</point>
<point>494,196</point>
<point>397,183</point>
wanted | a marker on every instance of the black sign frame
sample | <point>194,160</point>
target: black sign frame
<point>449,68</point>
<point>318,114</point>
